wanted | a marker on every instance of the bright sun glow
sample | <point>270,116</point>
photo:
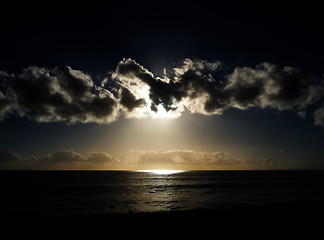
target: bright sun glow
<point>162,171</point>
<point>162,113</point>
<point>142,91</point>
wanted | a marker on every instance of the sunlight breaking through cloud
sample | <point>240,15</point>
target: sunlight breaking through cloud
<point>132,91</point>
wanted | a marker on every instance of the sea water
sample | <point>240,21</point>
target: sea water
<point>62,193</point>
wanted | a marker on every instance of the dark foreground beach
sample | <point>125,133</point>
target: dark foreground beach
<point>301,220</point>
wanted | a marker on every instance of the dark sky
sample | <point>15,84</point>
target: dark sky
<point>96,36</point>
<point>256,113</point>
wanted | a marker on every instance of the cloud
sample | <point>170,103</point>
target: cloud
<point>59,94</point>
<point>61,156</point>
<point>188,86</point>
<point>319,116</point>
<point>60,159</point>
<point>188,157</point>
<point>9,156</point>
<point>132,91</point>
<point>5,105</point>
<point>70,159</point>
<point>267,161</point>
<point>9,159</point>
<point>69,156</point>
<point>100,158</point>
<point>211,160</point>
<point>184,159</point>
<point>160,92</point>
<point>5,102</point>
<point>128,100</point>
<point>202,87</point>
<point>270,86</point>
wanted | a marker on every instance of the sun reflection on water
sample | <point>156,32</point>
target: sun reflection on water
<point>162,171</point>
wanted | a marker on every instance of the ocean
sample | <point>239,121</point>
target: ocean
<point>67,193</point>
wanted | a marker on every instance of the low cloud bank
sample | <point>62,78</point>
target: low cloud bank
<point>178,159</point>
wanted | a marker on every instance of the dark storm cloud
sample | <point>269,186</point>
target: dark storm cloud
<point>60,94</point>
